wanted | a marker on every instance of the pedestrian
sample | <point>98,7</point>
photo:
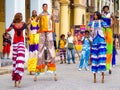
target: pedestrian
<point>85,54</point>
<point>18,48</point>
<point>46,44</point>
<point>6,45</point>
<point>98,50</point>
<point>108,33</point>
<point>114,53</point>
<point>54,40</point>
<point>33,42</point>
<point>62,49</point>
<point>70,47</point>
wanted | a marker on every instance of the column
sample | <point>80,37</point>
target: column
<point>37,5</point>
<point>96,5</point>
<point>12,7</point>
<point>64,18</point>
<point>100,6</point>
<point>79,10</point>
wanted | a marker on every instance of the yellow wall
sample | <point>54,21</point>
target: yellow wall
<point>2,29</point>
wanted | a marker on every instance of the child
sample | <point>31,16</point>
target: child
<point>62,49</point>
<point>85,55</point>
<point>98,50</point>
<point>6,45</point>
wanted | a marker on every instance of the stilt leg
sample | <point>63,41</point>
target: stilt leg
<point>35,77</point>
<point>110,72</point>
<point>94,77</point>
<point>55,77</point>
<point>102,77</point>
<point>15,85</point>
<point>19,84</point>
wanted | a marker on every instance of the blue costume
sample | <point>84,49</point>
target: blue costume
<point>98,51</point>
<point>85,55</point>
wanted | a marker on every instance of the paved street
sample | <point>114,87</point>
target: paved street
<point>69,78</point>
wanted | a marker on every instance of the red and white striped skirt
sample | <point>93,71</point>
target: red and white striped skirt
<point>18,60</point>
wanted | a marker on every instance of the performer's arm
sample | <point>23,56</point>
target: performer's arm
<point>113,20</point>
<point>10,28</point>
<point>53,23</point>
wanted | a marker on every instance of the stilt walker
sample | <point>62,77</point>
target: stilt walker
<point>46,44</point>
<point>33,43</point>
<point>98,50</point>
<point>108,34</point>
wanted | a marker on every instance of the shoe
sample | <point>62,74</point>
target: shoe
<point>74,62</point>
<point>87,69</point>
<point>110,72</point>
<point>68,63</point>
<point>113,66</point>
<point>61,62</point>
<point>79,69</point>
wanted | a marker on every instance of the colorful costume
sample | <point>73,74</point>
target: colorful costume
<point>33,45</point>
<point>98,51</point>
<point>85,55</point>
<point>108,34</point>
<point>18,52</point>
<point>61,47</point>
<point>46,43</point>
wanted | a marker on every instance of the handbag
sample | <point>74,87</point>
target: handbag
<point>70,45</point>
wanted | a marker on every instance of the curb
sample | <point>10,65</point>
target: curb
<point>8,69</point>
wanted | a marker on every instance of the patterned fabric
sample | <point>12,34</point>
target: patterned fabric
<point>62,52</point>
<point>98,52</point>
<point>108,33</point>
<point>114,56</point>
<point>18,35</point>
<point>85,55</point>
<point>18,60</point>
<point>46,41</point>
<point>45,23</point>
<point>33,45</point>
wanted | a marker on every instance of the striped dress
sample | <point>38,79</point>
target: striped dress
<point>18,56</point>
<point>98,51</point>
<point>33,45</point>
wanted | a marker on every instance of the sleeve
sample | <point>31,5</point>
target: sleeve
<point>24,26</point>
<point>104,24</point>
<point>10,28</point>
<point>90,24</point>
<point>90,38</point>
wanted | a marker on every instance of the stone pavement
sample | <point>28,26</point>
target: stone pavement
<point>69,78</point>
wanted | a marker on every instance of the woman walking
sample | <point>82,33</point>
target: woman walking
<point>98,51</point>
<point>18,48</point>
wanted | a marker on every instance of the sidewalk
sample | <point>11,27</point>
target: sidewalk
<point>8,69</point>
